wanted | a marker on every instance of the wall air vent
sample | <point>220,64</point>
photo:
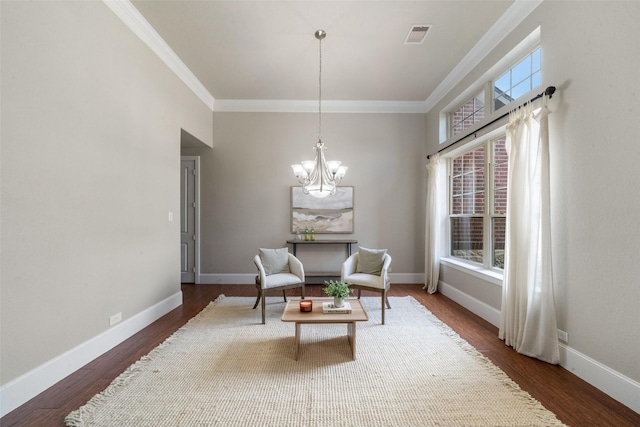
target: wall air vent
<point>417,34</point>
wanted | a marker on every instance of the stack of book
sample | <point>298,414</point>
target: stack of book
<point>329,308</point>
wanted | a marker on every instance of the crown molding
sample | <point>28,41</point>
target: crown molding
<point>509,20</point>
<point>303,106</point>
<point>512,17</point>
<point>133,19</point>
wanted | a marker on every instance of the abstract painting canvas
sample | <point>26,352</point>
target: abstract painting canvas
<point>332,214</point>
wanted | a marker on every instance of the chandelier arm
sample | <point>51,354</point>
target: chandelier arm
<point>303,181</point>
<point>313,176</point>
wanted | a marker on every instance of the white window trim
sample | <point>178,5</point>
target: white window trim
<point>510,66</point>
<point>526,46</point>
<point>483,91</point>
<point>491,276</point>
<point>470,266</point>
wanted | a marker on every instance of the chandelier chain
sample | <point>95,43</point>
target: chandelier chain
<point>320,95</point>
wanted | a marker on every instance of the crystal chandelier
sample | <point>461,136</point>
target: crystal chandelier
<point>319,177</point>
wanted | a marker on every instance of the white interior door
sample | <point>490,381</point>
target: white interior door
<point>189,174</point>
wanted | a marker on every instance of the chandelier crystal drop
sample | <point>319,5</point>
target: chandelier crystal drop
<point>319,177</point>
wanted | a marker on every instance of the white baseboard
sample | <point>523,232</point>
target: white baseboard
<point>410,278</point>
<point>228,279</point>
<point>621,388</point>
<point>488,313</point>
<point>34,382</point>
<point>239,279</point>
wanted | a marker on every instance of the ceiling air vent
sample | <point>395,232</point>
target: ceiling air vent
<point>417,34</point>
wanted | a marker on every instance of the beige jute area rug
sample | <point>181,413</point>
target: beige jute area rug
<point>224,368</point>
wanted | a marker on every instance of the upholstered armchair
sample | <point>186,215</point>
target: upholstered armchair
<point>368,269</point>
<point>277,270</point>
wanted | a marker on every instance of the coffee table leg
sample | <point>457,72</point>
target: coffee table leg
<point>297,340</point>
<point>351,333</point>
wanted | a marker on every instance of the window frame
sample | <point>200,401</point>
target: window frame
<point>485,83</point>
<point>486,87</point>
<point>480,93</point>
<point>510,69</point>
<point>488,214</point>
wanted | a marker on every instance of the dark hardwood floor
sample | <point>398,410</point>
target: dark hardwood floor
<point>575,402</point>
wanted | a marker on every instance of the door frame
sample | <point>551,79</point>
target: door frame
<point>196,160</point>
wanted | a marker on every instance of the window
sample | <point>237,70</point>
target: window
<point>467,205</point>
<point>520,79</point>
<point>478,204</point>
<point>478,176</point>
<point>468,114</point>
<point>500,171</point>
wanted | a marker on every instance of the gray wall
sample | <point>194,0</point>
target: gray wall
<point>91,124</point>
<point>590,52</point>
<point>246,181</point>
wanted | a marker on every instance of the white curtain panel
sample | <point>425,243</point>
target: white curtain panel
<point>528,321</point>
<point>433,227</point>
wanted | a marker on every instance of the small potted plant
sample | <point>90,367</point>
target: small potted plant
<point>339,290</point>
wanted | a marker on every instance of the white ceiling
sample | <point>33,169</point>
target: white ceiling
<point>266,50</point>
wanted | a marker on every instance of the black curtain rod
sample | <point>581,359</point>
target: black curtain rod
<point>548,91</point>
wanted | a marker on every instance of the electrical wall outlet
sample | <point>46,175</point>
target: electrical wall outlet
<point>116,318</point>
<point>563,336</point>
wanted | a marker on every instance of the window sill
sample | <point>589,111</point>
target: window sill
<point>491,276</point>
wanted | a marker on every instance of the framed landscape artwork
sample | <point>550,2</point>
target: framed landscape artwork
<point>332,214</point>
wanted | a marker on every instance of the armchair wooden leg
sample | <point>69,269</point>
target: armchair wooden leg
<point>284,295</point>
<point>259,288</point>
<point>302,291</point>
<point>382,300</point>
<point>264,308</point>
<point>257,299</point>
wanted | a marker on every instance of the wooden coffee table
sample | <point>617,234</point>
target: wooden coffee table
<point>292,313</point>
